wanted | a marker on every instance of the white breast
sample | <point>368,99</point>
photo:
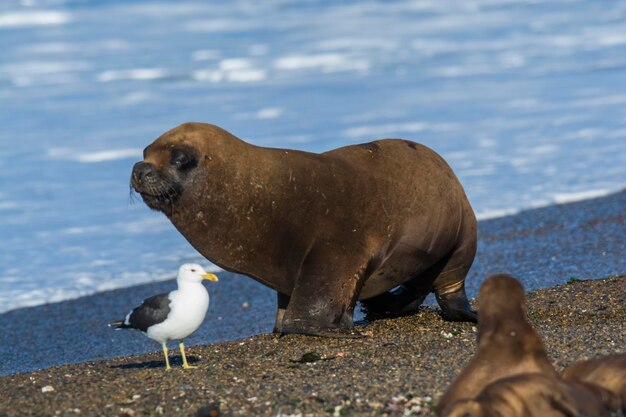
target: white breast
<point>188,308</point>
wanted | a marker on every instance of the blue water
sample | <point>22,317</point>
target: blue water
<point>525,99</point>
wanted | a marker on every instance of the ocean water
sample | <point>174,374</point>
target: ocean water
<point>525,99</point>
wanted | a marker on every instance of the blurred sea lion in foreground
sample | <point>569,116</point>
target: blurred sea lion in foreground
<point>529,395</point>
<point>323,230</point>
<point>507,343</point>
<point>607,372</point>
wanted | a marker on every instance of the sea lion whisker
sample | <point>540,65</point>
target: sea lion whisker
<point>132,196</point>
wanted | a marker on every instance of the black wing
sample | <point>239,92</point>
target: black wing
<point>153,310</point>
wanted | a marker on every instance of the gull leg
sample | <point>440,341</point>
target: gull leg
<point>167,360</point>
<point>182,353</point>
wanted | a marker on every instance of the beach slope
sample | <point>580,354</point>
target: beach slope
<point>403,364</point>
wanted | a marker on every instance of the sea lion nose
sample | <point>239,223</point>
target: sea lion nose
<point>142,171</point>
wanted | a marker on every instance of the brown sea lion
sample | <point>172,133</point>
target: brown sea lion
<point>323,230</point>
<point>529,395</point>
<point>507,343</point>
<point>607,372</point>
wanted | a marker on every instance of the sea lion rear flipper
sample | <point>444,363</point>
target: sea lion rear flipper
<point>455,306</point>
<point>321,304</point>
<point>449,286</point>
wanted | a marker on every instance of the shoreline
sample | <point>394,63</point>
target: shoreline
<point>403,365</point>
<point>62,295</point>
<point>541,247</point>
<point>563,199</point>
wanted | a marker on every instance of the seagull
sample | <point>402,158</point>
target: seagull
<point>174,315</point>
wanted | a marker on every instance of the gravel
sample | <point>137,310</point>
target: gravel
<point>400,368</point>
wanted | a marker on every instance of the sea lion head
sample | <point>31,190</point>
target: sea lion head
<point>501,297</point>
<point>174,161</point>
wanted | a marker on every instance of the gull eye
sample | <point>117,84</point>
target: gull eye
<point>193,270</point>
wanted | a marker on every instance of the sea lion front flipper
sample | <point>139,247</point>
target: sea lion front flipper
<point>320,303</point>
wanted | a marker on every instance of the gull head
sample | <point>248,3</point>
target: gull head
<point>194,273</point>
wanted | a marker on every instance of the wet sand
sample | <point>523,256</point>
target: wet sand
<point>403,364</point>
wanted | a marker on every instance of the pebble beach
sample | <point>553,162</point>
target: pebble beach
<point>400,368</point>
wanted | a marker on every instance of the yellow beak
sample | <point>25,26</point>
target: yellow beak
<point>210,277</point>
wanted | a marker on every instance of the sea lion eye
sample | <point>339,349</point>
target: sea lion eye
<point>182,160</point>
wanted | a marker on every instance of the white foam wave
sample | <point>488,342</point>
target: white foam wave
<point>133,74</point>
<point>493,214</point>
<point>268,113</point>
<point>150,225</point>
<point>239,76</point>
<point>167,9</point>
<point>49,48</point>
<point>27,73</point>
<point>562,198</point>
<point>33,18</point>
<point>355,44</point>
<point>393,129</point>
<point>221,25</point>
<point>235,64</point>
<point>79,230</point>
<point>78,285</point>
<point>238,70</point>
<point>44,67</point>
<point>476,172</point>
<point>291,139</point>
<point>155,224</point>
<point>136,97</point>
<point>93,157</point>
<point>327,63</point>
<point>205,55</point>
<point>246,76</point>
<point>43,73</point>
<point>557,198</point>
